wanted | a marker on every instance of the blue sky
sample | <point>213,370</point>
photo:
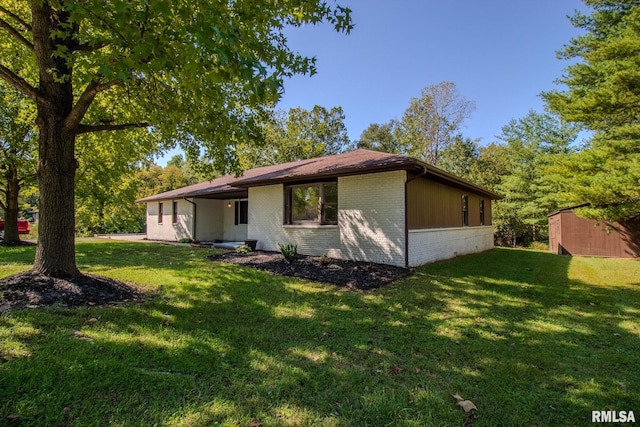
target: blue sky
<point>500,54</point>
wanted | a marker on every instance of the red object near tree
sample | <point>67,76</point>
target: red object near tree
<point>23,226</point>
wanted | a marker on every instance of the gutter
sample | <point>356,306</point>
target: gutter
<point>406,214</point>
<point>193,232</point>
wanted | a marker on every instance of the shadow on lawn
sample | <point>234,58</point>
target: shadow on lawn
<point>506,329</point>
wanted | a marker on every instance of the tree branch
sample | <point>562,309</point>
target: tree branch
<point>19,83</point>
<point>16,34</point>
<point>100,128</point>
<point>84,102</point>
<point>16,18</point>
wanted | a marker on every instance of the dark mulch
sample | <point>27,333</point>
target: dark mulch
<point>35,290</point>
<point>354,274</point>
<point>16,243</point>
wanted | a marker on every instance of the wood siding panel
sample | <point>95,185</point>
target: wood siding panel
<point>573,235</point>
<point>431,204</point>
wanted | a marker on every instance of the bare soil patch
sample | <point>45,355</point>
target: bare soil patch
<point>353,274</point>
<point>32,290</point>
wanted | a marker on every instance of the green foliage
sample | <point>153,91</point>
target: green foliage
<point>459,157</point>
<point>106,181</point>
<point>531,191</point>
<point>296,135</point>
<point>185,240</point>
<point>18,154</point>
<point>603,95</point>
<point>197,73</point>
<point>289,251</point>
<point>433,120</point>
<point>382,137</point>
<point>244,249</point>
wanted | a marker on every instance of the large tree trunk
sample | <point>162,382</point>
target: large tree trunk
<point>11,213</point>
<point>55,253</point>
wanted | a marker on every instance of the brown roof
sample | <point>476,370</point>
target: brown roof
<point>355,162</point>
<point>209,189</point>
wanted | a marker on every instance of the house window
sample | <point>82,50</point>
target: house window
<point>312,203</point>
<point>465,210</point>
<point>159,213</point>
<point>481,212</point>
<point>242,212</point>
<point>174,213</point>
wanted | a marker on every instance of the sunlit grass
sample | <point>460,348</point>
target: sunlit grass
<point>530,337</point>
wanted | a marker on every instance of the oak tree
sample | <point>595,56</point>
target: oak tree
<point>17,156</point>
<point>198,72</point>
<point>297,134</point>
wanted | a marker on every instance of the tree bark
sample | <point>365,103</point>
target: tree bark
<point>11,213</point>
<point>55,253</point>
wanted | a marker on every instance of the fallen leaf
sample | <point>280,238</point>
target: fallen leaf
<point>92,320</point>
<point>67,409</point>
<point>467,405</point>
<point>79,335</point>
<point>13,418</point>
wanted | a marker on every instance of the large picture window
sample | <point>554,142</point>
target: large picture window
<point>315,203</point>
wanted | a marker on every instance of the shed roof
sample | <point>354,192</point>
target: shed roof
<point>355,162</point>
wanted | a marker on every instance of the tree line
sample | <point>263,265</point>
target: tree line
<point>90,95</point>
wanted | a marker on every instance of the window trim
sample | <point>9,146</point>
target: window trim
<point>482,218</point>
<point>321,220</point>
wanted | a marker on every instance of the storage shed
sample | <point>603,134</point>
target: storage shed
<point>570,234</point>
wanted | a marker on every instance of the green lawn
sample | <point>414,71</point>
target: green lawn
<point>531,338</point>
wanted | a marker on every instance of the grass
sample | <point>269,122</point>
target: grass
<point>530,337</point>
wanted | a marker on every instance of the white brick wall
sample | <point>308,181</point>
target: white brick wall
<point>168,230</point>
<point>232,232</point>
<point>436,244</point>
<point>371,217</point>
<point>209,219</point>
<point>266,219</point>
<point>370,220</point>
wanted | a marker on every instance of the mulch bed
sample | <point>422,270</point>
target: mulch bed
<point>16,243</point>
<point>353,274</point>
<point>34,290</point>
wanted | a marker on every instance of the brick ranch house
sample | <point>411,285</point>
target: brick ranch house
<point>360,205</point>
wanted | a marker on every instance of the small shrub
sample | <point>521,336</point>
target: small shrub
<point>184,240</point>
<point>324,259</point>
<point>244,249</point>
<point>288,251</point>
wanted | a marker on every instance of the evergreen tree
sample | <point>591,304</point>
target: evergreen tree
<point>604,95</point>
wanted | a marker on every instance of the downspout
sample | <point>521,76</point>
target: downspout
<point>193,231</point>
<point>406,214</point>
